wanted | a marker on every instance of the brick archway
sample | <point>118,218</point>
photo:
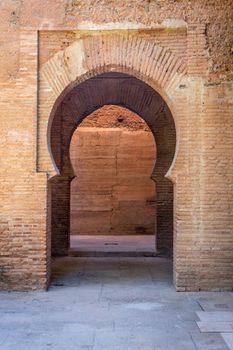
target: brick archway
<point>133,94</point>
<point>156,67</point>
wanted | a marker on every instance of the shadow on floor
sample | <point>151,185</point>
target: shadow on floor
<point>120,271</point>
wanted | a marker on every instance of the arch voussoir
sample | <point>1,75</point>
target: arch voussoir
<point>98,54</point>
<point>95,55</point>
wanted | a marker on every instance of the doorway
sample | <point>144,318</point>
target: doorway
<point>113,197</point>
<point>130,93</point>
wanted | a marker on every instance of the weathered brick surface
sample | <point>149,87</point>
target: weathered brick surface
<point>194,79</point>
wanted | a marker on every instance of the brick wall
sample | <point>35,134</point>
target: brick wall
<point>193,74</point>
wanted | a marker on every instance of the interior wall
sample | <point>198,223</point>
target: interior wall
<point>113,192</point>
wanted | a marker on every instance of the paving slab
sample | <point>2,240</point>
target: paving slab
<point>216,316</point>
<point>228,338</point>
<point>208,341</point>
<point>212,326</point>
<point>150,338</point>
<point>217,302</point>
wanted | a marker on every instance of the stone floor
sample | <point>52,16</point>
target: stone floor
<point>125,245</point>
<point>112,304</point>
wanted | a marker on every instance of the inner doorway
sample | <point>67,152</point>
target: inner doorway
<point>113,198</point>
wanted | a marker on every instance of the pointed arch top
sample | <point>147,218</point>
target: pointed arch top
<point>99,54</point>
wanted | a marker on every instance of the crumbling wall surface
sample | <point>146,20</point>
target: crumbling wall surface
<point>111,116</point>
<point>78,14</point>
<point>200,32</point>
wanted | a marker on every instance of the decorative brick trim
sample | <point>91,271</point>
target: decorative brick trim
<point>86,58</point>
